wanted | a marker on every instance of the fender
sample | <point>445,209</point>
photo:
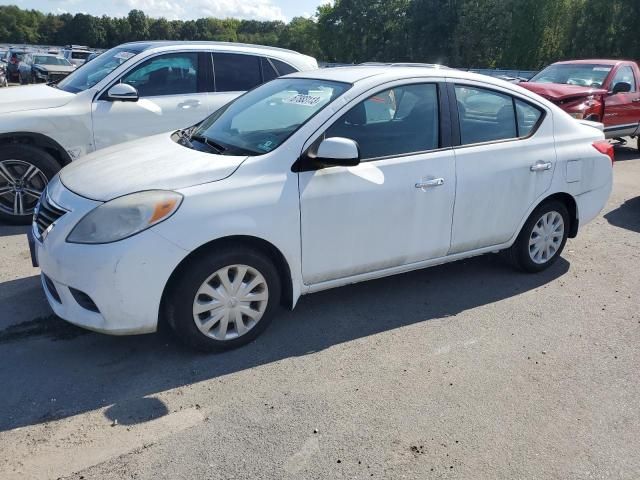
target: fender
<point>39,140</point>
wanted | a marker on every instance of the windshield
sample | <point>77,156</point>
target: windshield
<point>262,119</point>
<point>584,75</point>
<point>91,73</point>
<point>44,60</point>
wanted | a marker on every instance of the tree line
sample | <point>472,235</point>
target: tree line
<point>523,34</point>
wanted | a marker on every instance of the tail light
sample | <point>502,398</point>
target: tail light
<point>13,60</point>
<point>605,148</point>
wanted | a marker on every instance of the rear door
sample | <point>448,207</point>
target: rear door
<point>173,94</point>
<point>504,162</point>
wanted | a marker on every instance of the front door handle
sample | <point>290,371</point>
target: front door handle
<point>541,166</point>
<point>436,182</point>
<point>189,104</point>
<point>635,100</point>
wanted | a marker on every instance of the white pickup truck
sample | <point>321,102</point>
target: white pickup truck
<point>131,91</point>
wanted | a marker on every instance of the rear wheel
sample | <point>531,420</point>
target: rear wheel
<point>25,172</point>
<point>542,238</point>
<point>223,299</point>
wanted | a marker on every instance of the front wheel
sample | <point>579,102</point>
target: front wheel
<point>542,238</point>
<point>223,299</point>
<point>25,171</point>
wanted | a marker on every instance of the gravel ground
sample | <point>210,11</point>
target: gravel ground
<point>464,371</point>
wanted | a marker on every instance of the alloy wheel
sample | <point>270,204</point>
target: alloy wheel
<point>230,302</point>
<point>546,237</point>
<point>21,185</point>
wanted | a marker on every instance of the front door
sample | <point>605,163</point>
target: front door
<point>173,94</point>
<point>622,110</point>
<point>393,209</point>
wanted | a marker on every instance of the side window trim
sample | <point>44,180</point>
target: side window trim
<point>455,116</point>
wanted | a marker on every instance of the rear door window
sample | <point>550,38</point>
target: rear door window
<point>485,115</point>
<point>235,72</point>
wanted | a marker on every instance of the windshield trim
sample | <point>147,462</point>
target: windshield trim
<point>197,130</point>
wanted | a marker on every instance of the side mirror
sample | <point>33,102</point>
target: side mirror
<point>338,152</point>
<point>123,92</point>
<point>621,87</point>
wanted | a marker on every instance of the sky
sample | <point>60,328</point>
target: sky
<point>180,9</point>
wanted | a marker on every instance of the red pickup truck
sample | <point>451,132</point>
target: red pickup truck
<point>606,91</point>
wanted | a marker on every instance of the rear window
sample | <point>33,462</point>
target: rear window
<point>283,68</point>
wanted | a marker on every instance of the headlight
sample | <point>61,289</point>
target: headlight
<point>125,216</point>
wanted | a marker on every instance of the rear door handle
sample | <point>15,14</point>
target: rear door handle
<point>541,166</point>
<point>636,100</point>
<point>435,182</point>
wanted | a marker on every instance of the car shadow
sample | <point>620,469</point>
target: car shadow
<point>70,372</point>
<point>11,230</point>
<point>626,152</point>
<point>626,215</point>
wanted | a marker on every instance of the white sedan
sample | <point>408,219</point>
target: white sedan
<point>310,182</point>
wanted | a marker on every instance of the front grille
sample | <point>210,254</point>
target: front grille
<point>46,214</point>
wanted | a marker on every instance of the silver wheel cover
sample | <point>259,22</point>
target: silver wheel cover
<point>21,185</point>
<point>230,302</point>
<point>546,237</point>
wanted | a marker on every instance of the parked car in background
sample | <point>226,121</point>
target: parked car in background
<point>77,54</point>
<point>3,76</point>
<point>43,68</point>
<point>3,57</point>
<point>605,91</point>
<point>213,227</point>
<point>93,56</point>
<point>131,91</point>
<point>13,58</point>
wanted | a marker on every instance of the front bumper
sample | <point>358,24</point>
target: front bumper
<point>114,288</point>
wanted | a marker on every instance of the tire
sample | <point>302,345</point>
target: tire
<point>202,275</point>
<point>534,258</point>
<point>15,162</point>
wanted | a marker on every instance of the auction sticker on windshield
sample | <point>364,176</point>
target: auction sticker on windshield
<point>301,99</point>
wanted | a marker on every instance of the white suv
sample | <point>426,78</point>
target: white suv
<point>131,91</point>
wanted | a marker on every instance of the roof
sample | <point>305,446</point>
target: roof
<point>144,45</point>
<point>353,74</point>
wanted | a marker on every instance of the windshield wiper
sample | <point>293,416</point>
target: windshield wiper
<point>207,141</point>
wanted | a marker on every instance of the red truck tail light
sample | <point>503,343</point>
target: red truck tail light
<point>605,148</point>
<point>13,60</point>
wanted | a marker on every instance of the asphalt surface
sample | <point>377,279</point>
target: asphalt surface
<point>465,371</point>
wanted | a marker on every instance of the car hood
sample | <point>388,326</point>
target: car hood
<point>55,68</point>
<point>32,97</point>
<point>152,163</point>
<point>558,91</point>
